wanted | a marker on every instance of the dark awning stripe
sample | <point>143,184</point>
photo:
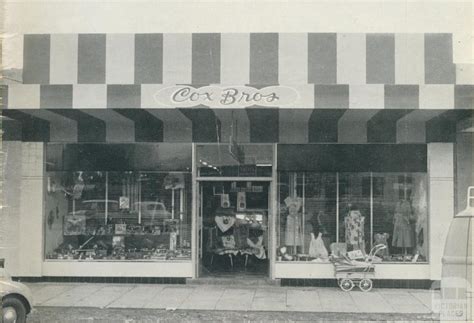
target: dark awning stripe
<point>148,128</point>
<point>89,128</point>
<point>443,127</point>
<point>32,128</point>
<point>382,127</point>
<point>206,126</point>
<point>322,125</point>
<point>264,124</point>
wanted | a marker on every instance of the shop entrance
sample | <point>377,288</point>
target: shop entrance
<point>233,228</point>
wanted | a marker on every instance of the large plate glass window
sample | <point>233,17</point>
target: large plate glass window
<point>113,214</point>
<point>332,213</point>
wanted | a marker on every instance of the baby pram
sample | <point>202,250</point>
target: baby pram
<point>350,272</point>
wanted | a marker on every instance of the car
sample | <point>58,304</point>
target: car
<point>152,212</point>
<point>96,208</point>
<point>16,298</point>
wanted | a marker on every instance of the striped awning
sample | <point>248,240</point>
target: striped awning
<point>304,70</point>
<point>267,87</point>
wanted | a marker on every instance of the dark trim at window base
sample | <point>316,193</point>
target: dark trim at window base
<point>378,283</point>
<point>111,280</point>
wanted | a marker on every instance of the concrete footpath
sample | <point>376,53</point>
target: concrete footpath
<point>218,297</point>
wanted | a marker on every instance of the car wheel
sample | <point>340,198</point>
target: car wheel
<point>13,310</point>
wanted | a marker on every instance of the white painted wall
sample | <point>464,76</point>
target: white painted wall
<point>184,16</point>
<point>9,219</point>
<point>22,219</point>
<point>118,269</point>
<point>441,201</point>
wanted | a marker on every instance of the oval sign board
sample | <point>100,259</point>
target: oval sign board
<point>226,97</point>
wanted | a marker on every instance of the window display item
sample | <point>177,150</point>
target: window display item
<point>317,248</point>
<point>120,229</point>
<point>338,249</point>
<point>124,202</point>
<point>74,225</point>
<point>228,242</point>
<point>241,201</point>
<point>118,242</point>
<point>241,233</point>
<point>173,240</point>
<point>355,255</point>
<point>224,222</point>
<point>293,234</point>
<point>382,239</point>
<point>354,225</point>
<point>403,231</point>
<point>225,201</point>
<point>257,247</point>
<point>283,254</point>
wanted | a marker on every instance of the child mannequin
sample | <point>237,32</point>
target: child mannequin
<point>293,236</point>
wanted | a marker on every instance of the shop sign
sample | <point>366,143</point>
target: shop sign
<point>226,96</point>
<point>247,170</point>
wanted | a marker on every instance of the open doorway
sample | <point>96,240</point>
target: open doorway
<point>234,228</point>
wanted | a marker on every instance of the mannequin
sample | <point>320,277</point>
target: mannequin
<point>316,246</point>
<point>293,235</point>
<point>354,225</point>
<point>403,230</point>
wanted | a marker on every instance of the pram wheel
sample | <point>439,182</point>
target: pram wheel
<point>365,285</point>
<point>346,284</point>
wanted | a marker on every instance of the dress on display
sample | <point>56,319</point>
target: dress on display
<point>317,248</point>
<point>293,234</point>
<point>354,225</point>
<point>403,231</point>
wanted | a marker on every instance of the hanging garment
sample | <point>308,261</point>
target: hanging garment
<point>224,223</point>
<point>354,225</point>
<point>257,247</point>
<point>317,248</point>
<point>293,236</point>
<point>228,242</point>
<point>241,233</point>
<point>403,230</point>
<point>293,204</point>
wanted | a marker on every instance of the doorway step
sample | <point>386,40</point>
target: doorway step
<point>235,280</point>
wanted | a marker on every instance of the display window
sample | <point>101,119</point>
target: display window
<point>321,214</point>
<point>118,216</point>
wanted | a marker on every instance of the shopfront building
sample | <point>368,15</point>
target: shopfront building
<point>208,155</point>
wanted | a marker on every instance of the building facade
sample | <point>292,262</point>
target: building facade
<point>195,154</point>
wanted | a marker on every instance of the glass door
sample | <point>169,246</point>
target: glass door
<point>233,228</point>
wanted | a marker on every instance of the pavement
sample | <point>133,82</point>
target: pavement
<point>231,298</point>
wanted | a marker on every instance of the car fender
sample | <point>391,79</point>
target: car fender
<point>12,288</point>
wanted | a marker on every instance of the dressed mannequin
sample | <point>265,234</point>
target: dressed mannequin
<point>293,235</point>
<point>316,246</point>
<point>354,225</point>
<point>403,230</point>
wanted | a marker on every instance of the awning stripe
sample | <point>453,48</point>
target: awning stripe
<point>263,58</point>
<point>91,59</point>
<point>322,58</point>
<point>240,58</point>
<point>319,96</point>
<point>439,67</point>
<point>148,58</point>
<point>36,58</point>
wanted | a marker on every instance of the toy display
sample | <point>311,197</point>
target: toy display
<point>88,241</point>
